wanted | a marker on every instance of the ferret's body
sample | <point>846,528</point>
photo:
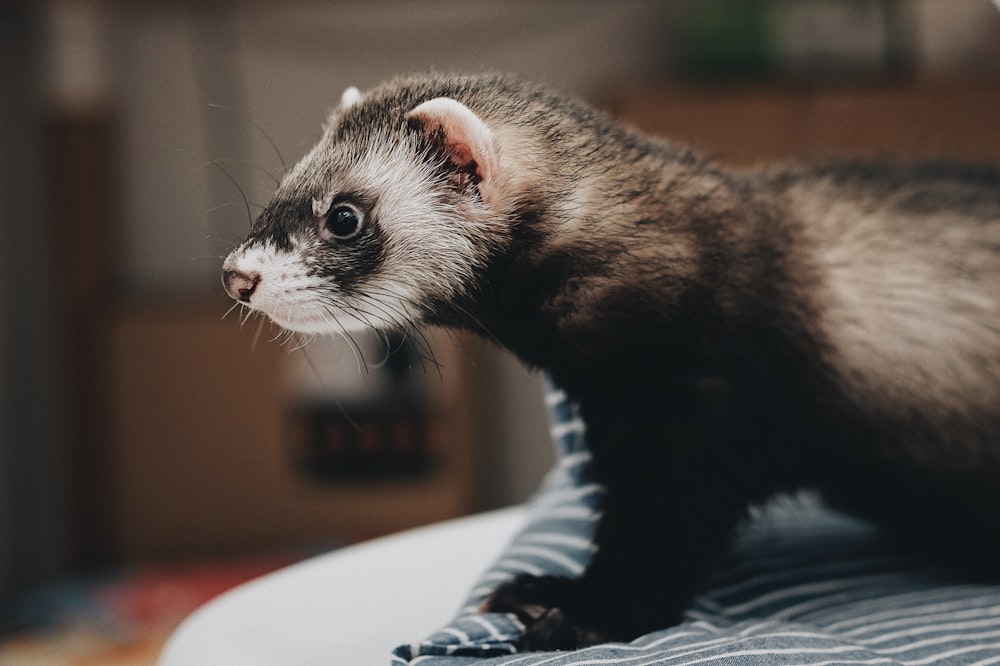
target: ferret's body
<point>727,335</point>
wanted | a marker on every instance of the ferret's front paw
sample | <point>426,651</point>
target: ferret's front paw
<point>556,612</point>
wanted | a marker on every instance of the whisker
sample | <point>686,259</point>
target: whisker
<point>424,352</point>
<point>424,349</point>
<point>292,340</point>
<point>263,132</point>
<point>386,310</point>
<point>235,305</point>
<point>246,202</point>
<point>426,345</point>
<point>420,345</point>
<point>382,362</point>
<point>227,204</point>
<point>303,340</point>
<point>471,317</point>
<point>322,381</point>
<point>358,353</point>
<point>256,336</point>
<point>359,315</point>
<point>480,325</point>
<point>281,337</point>
<point>456,340</point>
<point>251,165</point>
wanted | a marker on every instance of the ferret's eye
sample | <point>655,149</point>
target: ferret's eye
<point>343,222</point>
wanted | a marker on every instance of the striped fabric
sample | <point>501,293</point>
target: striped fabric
<point>802,586</point>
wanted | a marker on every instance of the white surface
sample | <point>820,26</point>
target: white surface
<point>349,607</point>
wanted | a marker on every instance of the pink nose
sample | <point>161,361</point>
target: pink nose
<point>240,285</point>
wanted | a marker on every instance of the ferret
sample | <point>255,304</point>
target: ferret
<point>727,335</point>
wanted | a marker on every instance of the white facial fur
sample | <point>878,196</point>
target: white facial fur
<point>434,238</point>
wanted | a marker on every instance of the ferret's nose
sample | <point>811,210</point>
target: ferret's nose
<point>240,285</point>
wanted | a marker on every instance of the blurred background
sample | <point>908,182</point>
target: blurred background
<point>154,451</point>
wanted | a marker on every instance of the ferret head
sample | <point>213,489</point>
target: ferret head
<point>395,209</point>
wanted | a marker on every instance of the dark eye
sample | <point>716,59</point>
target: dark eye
<point>344,221</point>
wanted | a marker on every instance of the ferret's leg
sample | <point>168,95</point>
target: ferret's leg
<point>668,513</point>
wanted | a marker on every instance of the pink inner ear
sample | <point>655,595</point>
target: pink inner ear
<point>461,154</point>
<point>467,140</point>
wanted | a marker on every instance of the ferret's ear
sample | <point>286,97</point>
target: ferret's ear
<point>463,137</point>
<point>349,97</point>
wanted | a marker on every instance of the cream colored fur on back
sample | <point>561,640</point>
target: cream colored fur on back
<point>912,310</point>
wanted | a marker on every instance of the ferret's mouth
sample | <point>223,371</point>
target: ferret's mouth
<point>315,322</point>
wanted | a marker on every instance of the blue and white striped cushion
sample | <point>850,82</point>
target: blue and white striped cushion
<point>802,585</point>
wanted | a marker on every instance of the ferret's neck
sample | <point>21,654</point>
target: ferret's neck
<point>634,243</point>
